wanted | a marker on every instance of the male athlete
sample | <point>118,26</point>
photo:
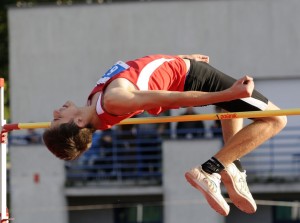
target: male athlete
<point>156,83</point>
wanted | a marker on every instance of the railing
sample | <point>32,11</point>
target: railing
<point>119,157</point>
<point>277,160</point>
<point>136,158</point>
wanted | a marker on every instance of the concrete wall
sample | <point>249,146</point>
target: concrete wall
<point>181,200</point>
<point>36,186</point>
<point>45,198</point>
<point>58,53</point>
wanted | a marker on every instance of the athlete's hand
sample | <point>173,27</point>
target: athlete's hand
<point>3,137</point>
<point>197,57</point>
<point>243,87</point>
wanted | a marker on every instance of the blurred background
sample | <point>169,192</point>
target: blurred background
<point>53,51</point>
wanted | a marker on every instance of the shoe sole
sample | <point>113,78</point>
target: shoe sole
<point>210,199</point>
<point>237,198</point>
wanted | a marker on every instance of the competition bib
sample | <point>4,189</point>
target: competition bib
<point>114,70</point>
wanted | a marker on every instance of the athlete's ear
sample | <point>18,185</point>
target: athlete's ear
<point>80,122</point>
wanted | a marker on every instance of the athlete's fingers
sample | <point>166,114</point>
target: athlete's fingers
<point>243,87</point>
<point>244,80</point>
<point>248,80</point>
<point>201,57</point>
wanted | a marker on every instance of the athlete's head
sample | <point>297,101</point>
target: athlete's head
<point>68,138</point>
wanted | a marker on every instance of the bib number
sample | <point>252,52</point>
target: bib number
<point>114,70</point>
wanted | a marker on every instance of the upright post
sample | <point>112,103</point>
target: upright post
<point>3,148</point>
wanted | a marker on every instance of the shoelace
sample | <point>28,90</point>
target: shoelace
<point>243,182</point>
<point>213,180</point>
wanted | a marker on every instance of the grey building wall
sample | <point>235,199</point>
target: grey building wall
<point>36,186</point>
<point>58,53</point>
<point>182,202</point>
<point>47,197</point>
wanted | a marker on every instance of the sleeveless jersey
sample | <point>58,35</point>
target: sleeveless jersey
<point>154,72</point>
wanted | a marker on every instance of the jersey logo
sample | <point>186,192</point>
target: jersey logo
<point>114,70</point>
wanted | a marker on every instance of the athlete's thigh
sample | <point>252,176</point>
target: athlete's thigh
<point>203,77</point>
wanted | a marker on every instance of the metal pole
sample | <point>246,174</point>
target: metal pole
<point>3,152</point>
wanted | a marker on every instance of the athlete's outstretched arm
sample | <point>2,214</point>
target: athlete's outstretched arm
<point>119,100</point>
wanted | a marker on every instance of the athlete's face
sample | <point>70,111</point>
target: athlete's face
<point>64,114</point>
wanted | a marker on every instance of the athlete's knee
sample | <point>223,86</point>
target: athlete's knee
<point>272,124</point>
<point>278,122</point>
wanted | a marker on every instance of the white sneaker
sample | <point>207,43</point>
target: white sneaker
<point>209,186</point>
<point>237,188</point>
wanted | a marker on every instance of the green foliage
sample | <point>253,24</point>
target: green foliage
<point>4,52</point>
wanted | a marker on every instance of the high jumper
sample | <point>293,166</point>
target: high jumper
<point>156,83</point>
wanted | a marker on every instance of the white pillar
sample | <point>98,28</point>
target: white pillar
<point>3,148</point>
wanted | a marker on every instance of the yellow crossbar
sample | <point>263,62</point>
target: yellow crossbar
<point>182,118</point>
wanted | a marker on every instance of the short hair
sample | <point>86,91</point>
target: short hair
<point>68,141</point>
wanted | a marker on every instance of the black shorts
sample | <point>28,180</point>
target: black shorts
<point>203,77</point>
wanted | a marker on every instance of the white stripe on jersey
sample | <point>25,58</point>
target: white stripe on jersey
<point>255,102</point>
<point>99,108</point>
<point>147,71</point>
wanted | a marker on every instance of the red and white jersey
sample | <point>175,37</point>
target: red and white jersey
<point>154,72</point>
